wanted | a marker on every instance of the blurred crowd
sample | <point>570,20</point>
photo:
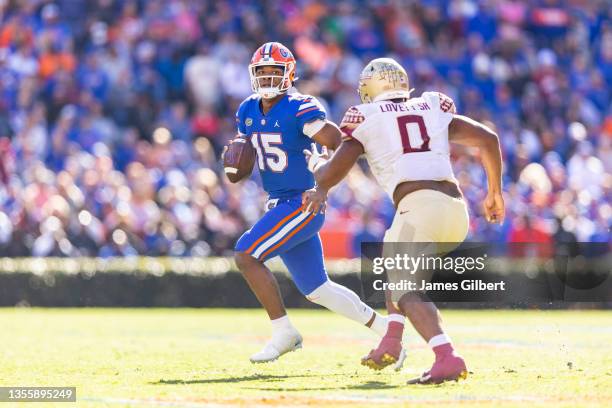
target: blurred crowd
<point>113,114</point>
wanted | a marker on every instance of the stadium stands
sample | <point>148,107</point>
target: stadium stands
<point>113,114</point>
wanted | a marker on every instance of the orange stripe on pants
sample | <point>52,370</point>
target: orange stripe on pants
<point>267,234</point>
<point>292,233</point>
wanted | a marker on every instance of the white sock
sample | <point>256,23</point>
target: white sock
<point>438,340</point>
<point>380,324</point>
<point>345,302</point>
<point>281,324</point>
<point>396,317</point>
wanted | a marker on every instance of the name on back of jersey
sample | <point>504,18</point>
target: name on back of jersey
<point>400,107</point>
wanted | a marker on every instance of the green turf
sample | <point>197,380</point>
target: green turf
<point>192,358</point>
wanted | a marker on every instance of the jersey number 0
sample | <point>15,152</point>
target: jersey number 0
<point>403,122</point>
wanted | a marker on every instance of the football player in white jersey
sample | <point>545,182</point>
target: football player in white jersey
<point>406,143</point>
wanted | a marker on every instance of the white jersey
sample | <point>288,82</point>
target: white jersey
<point>404,141</point>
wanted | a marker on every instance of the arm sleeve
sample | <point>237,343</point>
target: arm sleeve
<point>308,110</point>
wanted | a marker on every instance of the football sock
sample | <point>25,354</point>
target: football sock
<point>380,324</point>
<point>345,302</point>
<point>441,345</point>
<point>396,326</point>
<point>281,324</point>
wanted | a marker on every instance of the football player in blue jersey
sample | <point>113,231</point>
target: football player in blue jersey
<point>280,125</point>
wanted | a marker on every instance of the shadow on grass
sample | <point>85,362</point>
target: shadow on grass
<point>283,389</point>
<point>370,385</point>
<point>254,377</point>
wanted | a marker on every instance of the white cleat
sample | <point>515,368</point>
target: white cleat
<point>280,343</point>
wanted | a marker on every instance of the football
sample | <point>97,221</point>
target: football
<point>239,159</point>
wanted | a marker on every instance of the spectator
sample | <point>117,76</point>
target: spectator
<point>112,116</point>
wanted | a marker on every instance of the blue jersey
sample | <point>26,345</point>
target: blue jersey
<point>279,140</point>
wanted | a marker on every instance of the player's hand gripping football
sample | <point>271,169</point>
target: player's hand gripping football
<point>316,158</point>
<point>494,208</point>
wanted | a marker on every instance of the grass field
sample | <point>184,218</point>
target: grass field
<point>196,358</point>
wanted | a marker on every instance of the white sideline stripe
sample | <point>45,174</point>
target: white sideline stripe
<point>307,105</point>
<point>152,402</point>
<point>279,235</point>
<point>257,401</point>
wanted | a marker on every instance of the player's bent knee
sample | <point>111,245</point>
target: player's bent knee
<point>321,292</point>
<point>244,260</point>
<point>327,294</point>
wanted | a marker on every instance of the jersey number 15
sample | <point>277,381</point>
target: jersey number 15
<point>268,152</point>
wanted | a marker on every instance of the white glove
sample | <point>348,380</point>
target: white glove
<point>315,158</point>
